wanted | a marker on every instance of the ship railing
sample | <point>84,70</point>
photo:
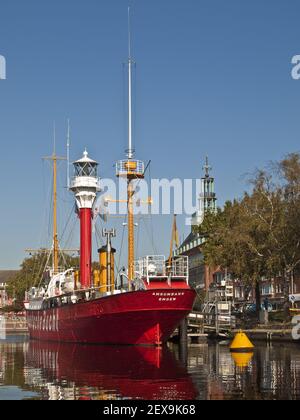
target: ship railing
<point>151,266</point>
<point>130,167</point>
<point>85,181</point>
<point>80,295</point>
<point>59,270</point>
<point>156,267</point>
<point>179,267</point>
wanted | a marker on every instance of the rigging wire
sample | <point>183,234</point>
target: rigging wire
<point>98,236</point>
<point>46,193</point>
<point>44,266</point>
<point>36,269</point>
<point>64,258</point>
<point>150,236</point>
<point>138,236</point>
<point>151,215</point>
<point>71,234</point>
<point>45,257</point>
<point>122,243</point>
<point>68,221</point>
<point>51,211</point>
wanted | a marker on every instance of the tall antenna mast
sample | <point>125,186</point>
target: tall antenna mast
<point>130,151</point>
<point>54,138</point>
<point>68,156</point>
<point>130,169</point>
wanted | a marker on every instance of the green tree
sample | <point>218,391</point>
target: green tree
<point>289,229</point>
<point>234,243</point>
<point>33,272</point>
<point>259,235</point>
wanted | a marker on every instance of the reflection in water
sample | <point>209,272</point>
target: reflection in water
<point>106,372</point>
<point>242,360</point>
<point>272,373</point>
<point>63,371</point>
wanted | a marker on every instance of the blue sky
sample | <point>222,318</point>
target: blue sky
<point>212,77</point>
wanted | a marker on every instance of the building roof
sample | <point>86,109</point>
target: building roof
<point>192,242</point>
<point>85,159</point>
<point>190,238</point>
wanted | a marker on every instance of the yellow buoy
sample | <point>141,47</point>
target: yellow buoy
<point>241,344</point>
<point>242,360</point>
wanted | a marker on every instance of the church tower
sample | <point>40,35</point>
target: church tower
<point>207,198</point>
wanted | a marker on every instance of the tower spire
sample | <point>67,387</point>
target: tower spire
<point>207,167</point>
<point>208,199</point>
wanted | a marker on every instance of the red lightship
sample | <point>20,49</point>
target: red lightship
<point>144,309</point>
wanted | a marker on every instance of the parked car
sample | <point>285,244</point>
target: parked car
<point>251,308</point>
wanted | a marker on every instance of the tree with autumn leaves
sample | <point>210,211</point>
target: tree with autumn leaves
<point>258,235</point>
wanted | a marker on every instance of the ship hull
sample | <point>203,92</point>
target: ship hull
<point>135,318</point>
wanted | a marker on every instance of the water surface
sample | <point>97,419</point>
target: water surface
<point>50,371</point>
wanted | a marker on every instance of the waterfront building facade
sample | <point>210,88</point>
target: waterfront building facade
<point>5,276</point>
<point>272,289</point>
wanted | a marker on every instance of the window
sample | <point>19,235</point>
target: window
<point>86,169</point>
<point>267,290</point>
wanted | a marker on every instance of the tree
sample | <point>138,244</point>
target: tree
<point>259,235</point>
<point>289,230</point>
<point>33,273</point>
<point>233,243</point>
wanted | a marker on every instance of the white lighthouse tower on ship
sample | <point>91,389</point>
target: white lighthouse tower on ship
<point>85,185</point>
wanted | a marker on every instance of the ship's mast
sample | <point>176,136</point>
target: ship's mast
<point>68,156</point>
<point>131,250</point>
<point>54,158</point>
<point>55,239</point>
<point>130,151</point>
<point>130,190</point>
<point>130,169</point>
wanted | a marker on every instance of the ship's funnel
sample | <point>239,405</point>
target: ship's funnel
<point>107,263</point>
